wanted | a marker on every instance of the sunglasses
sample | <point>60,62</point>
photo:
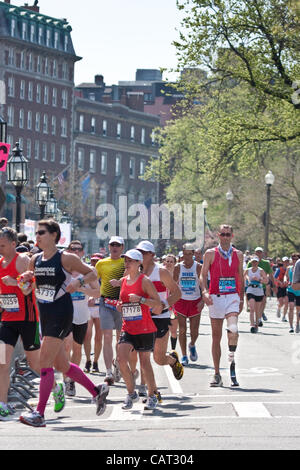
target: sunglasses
<point>41,232</point>
<point>115,244</point>
<point>223,234</point>
<point>76,248</point>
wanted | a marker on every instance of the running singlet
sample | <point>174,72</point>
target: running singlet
<point>136,317</point>
<point>255,287</point>
<point>51,280</point>
<point>290,277</point>
<point>161,290</point>
<point>80,304</point>
<point>279,275</point>
<point>108,269</point>
<point>224,278</point>
<point>17,306</point>
<point>189,282</point>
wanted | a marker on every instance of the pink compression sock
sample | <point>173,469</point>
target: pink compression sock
<point>46,385</point>
<point>77,375</point>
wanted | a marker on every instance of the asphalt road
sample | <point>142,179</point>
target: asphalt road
<point>263,413</point>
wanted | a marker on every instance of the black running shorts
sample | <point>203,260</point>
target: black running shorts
<point>144,342</point>
<point>29,332</point>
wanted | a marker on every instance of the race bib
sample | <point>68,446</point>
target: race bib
<point>227,285</point>
<point>10,302</point>
<point>45,295</point>
<point>132,311</point>
<point>188,283</point>
<point>255,284</point>
<point>77,296</point>
<point>111,303</point>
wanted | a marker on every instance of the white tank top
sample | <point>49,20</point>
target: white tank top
<point>189,282</point>
<point>255,287</point>
<point>161,289</point>
<point>80,304</point>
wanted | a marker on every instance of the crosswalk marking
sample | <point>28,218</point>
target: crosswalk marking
<point>251,410</point>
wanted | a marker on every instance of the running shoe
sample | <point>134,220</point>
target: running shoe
<point>95,369</point>
<point>284,320</point>
<point>117,373</point>
<point>159,397</point>
<point>59,398</point>
<point>292,330</point>
<point>130,400</point>
<point>33,419</point>
<point>264,317</point>
<point>70,389</point>
<point>109,379</point>
<point>87,368</point>
<point>177,368</point>
<point>184,361</point>
<point>260,323</point>
<point>100,399</point>
<point>253,329</point>
<point>216,381</point>
<point>151,403</point>
<point>4,412</point>
<point>142,391</point>
<point>193,353</point>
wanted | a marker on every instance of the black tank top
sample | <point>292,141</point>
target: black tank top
<point>50,275</point>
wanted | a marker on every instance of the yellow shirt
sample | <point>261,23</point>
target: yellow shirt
<point>108,269</point>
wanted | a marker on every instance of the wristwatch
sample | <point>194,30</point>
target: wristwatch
<point>81,281</point>
<point>142,300</point>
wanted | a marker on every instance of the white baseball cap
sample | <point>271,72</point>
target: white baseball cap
<point>146,246</point>
<point>259,248</point>
<point>285,258</point>
<point>133,254</point>
<point>255,258</point>
<point>119,240</point>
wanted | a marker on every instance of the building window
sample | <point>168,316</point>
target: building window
<point>63,154</point>
<point>119,130</point>
<point>92,96</point>
<point>45,124</point>
<point>38,93</point>
<point>11,56</point>
<point>46,95</point>
<point>28,148</point>
<point>93,125</point>
<point>64,127</point>
<point>32,33</point>
<point>153,138</point>
<point>64,97</point>
<point>13,25</point>
<point>64,71</point>
<point>46,66</point>
<point>29,120</point>
<point>81,123</point>
<point>55,69</point>
<point>56,40</point>
<point>10,115</point>
<point>22,90</point>
<point>92,161</point>
<point>80,159</point>
<point>37,122</point>
<point>118,165</point>
<point>24,31</point>
<point>39,64</point>
<point>44,151</point>
<point>104,128</point>
<point>143,135</point>
<point>132,133</point>
<point>103,163</point>
<point>48,37</point>
<point>11,87</point>
<point>30,91</point>
<point>22,60</point>
<point>54,97</point>
<point>36,150</point>
<point>131,167</point>
<point>30,62</point>
<point>52,155</point>
<point>21,119</point>
<point>142,167</point>
<point>53,125</point>
<point>66,43</point>
<point>41,35</point>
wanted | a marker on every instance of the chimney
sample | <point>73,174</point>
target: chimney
<point>34,7</point>
<point>135,100</point>
<point>99,80</point>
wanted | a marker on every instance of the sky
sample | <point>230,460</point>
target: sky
<point>116,37</point>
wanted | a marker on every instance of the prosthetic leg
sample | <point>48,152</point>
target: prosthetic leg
<point>233,335</point>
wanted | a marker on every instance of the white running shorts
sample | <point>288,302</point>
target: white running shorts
<point>223,305</point>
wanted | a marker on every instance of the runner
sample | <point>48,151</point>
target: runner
<point>80,299</point>
<point>138,330</point>
<point>52,273</point>
<point>20,316</point>
<point>190,306</point>
<point>296,276</point>
<point>254,278</point>
<point>108,269</point>
<point>293,295</point>
<point>94,322</point>
<point>225,298</point>
<point>169,293</point>
<point>282,284</point>
<point>170,262</point>
<point>266,266</point>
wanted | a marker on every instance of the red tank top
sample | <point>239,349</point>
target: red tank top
<point>136,318</point>
<point>224,279</point>
<point>17,307</point>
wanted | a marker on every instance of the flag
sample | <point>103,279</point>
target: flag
<point>62,178</point>
<point>85,186</point>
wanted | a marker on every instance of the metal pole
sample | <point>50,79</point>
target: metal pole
<point>18,208</point>
<point>267,219</point>
<point>42,213</point>
<point>204,227</point>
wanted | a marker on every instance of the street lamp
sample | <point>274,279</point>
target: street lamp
<point>51,206</point>
<point>18,176</point>
<point>204,206</point>
<point>3,130</point>
<point>229,197</point>
<point>42,194</point>
<point>269,180</point>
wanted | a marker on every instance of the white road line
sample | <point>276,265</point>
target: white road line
<point>174,384</point>
<point>251,410</point>
<point>135,414</point>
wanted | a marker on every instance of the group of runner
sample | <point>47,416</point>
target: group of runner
<point>143,301</point>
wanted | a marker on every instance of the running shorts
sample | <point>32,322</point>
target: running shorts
<point>294,298</point>
<point>257,298</point>
<point>187,308</point>
<point>223,305</point>
<point>79,332</point>
<point>162,325</point>
<point>281,292</point>
<point>29,332</point>
<point>110,318</point>
<point>142,343</point>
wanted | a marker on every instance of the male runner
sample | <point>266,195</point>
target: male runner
<point>225,297</point>
<point>107,269</point>
<point>20,316</point>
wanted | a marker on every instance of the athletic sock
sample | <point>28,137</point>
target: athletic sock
<point>76,374</point>
<point>173,343</point>
<point>46,385</point>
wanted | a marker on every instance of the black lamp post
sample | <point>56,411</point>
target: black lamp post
<point>51,206</point>
<point>18,176</point>
<point>42,194</point>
